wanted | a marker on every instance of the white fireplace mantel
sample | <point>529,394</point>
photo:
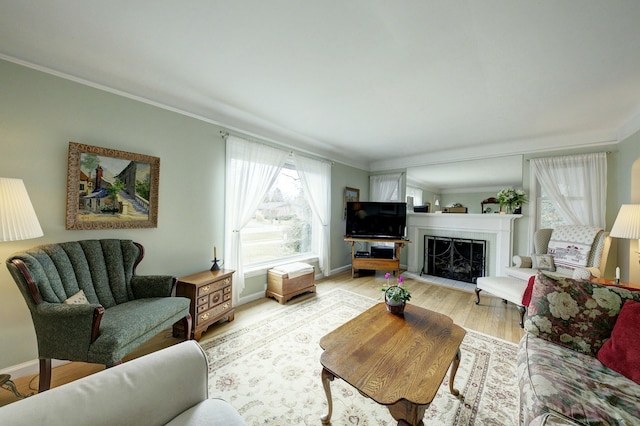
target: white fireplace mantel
<point>501,225</point>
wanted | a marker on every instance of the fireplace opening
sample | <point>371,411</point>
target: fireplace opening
<point>458,259</point>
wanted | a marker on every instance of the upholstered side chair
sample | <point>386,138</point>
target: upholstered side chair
<point>87,303</point>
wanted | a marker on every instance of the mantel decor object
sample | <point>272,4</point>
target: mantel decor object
<point>511,199</point>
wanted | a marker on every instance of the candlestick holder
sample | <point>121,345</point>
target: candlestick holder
<point>215,266</point>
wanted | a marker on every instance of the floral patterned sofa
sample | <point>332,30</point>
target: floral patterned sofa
<point>579,360</point>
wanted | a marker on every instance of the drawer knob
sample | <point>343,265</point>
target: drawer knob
<point>206,289</point>
<point>204,316</point>
<point>226,305</point>
<point>216,298</point>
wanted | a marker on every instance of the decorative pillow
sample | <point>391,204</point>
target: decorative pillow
<point>521,261</point>
<point>573,313</point>
<point>622,351</point>
<point>543,262</point>
<point>77,299</point>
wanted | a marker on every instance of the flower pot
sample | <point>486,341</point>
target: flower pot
<point>396,309</point>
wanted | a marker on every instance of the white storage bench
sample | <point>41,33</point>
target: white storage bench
<point>286,281</point>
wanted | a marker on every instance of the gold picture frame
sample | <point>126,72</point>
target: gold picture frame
<point>111,189</point>
<point>350,194</point>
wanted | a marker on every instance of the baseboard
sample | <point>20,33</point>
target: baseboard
<point>29,368</point>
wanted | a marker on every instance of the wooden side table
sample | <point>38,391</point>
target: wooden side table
<point>210,293</point>
<point>607,281</point>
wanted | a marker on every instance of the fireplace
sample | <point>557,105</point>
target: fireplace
<point>496,229</point>
<point>459,259</point>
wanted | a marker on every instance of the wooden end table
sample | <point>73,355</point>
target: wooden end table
<point>610,282</point>
<point>398,361</point>
<point>210,293</point>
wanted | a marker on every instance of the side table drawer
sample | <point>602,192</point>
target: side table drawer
<point>215,298</point>
<point>212,313</point>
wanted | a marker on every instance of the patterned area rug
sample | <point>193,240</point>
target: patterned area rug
<point>270,372</point>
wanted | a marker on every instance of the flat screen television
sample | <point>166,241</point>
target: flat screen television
<point>369,219</point>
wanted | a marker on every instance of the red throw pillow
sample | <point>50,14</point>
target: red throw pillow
<point>526,296</point>
<point>622,351</point>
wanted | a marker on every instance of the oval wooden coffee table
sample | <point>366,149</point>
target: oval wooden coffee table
<point>397,361</point>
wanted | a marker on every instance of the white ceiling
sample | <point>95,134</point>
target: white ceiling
<point>373,83</point>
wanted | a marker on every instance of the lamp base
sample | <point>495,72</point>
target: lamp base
<point>7,383</point>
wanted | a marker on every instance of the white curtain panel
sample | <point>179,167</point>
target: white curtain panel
<point>316,180</point>
<point>385,187</point>
<point>577,184</point>
<point>251,170</point>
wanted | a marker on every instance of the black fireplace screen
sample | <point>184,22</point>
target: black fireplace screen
<point>458,259</point>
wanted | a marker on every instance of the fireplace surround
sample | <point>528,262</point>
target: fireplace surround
<point>497,227</point>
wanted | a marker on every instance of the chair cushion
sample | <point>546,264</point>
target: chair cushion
<point>556,379</point>
<point>507,288</point>
<point>127,325</point>
<point>521,273</point>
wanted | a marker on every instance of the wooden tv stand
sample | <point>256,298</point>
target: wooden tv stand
<point>377,264</point>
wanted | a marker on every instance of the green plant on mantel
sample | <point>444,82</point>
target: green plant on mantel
<point>511,198</point>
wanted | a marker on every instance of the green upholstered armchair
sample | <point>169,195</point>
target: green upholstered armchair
<point>119,310</point>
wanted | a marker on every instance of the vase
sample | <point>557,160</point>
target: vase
<point>508,208</point>
<point>396,308</point>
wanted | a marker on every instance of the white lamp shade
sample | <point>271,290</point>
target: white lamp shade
<point>627,224</point>
<point>18,220</point>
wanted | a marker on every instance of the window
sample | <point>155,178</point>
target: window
<point>549,215</point>
<point>573,188</point>
<point>282,224</point>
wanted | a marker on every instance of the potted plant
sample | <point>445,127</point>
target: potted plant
<point>395,296</point>
<point>511,199</point>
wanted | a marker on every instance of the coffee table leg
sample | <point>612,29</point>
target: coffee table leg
<point>454,369</point>
<point>327,377</point>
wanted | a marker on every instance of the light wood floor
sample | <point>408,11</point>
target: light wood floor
<point>491,317</point>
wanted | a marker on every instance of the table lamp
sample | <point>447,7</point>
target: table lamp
<point>627,224</point>
<point>18,221</point>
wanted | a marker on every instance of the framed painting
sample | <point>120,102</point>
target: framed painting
<point>350,194</point>
<point>111,189</point>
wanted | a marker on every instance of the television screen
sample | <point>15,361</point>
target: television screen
<point>368,219</point>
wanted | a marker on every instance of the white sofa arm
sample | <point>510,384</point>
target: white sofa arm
<point>522,261</point>
<point>150,390</point>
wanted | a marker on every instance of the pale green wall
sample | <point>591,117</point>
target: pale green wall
<point>344,176</point>
<point>40,114</point>
<point>628,154</point>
